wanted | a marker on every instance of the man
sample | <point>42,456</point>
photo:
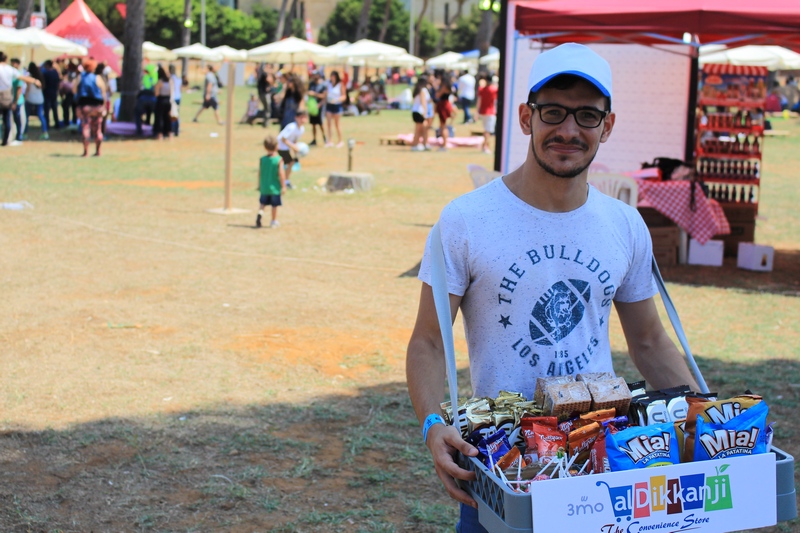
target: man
<point>466,95</point>
<point>52,80</point>
<point>146,98</point>
<point>210,92</point>
<point>487,109</point>
<point>317,90</point>
<point>521,247</point>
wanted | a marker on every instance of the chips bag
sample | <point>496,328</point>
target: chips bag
<point>717,412</point>
<point>642,447</point>
<point>741,435</point>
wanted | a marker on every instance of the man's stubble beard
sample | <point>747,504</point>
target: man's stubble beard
<point>571,173</point>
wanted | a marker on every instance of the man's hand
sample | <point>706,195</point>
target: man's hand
<point>444,442</point>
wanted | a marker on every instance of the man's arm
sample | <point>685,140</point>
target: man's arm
<point>425,373</point>
<point>655,355</point>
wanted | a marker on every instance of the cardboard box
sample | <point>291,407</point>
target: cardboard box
<point>653,218</point>
<point>667,256</point>
<point>755,257</point>
<point>708,254</point>
<point>666,236</point>
<point>736,213</point>
<point>740,232</point>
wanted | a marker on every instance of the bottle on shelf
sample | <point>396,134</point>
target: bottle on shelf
<point>756,147</point>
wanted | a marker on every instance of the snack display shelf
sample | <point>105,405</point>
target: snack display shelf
<point>730,102</point>
<point>753,130</point>
<point>732,181</point>
<point>701,153</point>
<point>501,510</point>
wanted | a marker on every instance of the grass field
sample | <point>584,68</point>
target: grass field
<point>166,369</point>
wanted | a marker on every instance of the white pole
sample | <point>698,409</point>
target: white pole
<point>410,27</point>
<point>203,22</point>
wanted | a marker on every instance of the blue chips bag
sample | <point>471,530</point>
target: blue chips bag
<point>642,447</point>
<point>741,435</point>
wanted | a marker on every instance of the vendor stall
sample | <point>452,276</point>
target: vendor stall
<point>652,48</point>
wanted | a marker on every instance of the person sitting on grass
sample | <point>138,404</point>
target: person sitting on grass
<point>252,111</point>
<point>287,140</point>
<point>271,181</point>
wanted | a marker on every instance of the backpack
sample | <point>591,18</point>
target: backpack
<point>6,99</point>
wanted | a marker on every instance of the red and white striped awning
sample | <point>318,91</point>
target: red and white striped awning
<point>734,70</point>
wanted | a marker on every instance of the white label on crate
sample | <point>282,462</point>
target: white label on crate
<point>707,496</point>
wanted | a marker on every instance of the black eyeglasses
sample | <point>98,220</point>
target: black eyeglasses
<point>586,117</point>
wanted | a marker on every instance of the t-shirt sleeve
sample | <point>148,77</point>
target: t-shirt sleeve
<point>638,283</point>
<point>286,132</point>
<point>456,252</point>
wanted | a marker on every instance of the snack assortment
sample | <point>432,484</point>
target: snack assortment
<point>597,423</point>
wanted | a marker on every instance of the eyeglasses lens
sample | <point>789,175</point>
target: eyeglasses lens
<point>555,114</point>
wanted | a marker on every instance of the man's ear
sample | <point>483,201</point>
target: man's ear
<point>525,113</point>
<point>608,125</point>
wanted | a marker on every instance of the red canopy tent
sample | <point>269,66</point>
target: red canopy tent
<point>79,24</point>
<point>648,21</point>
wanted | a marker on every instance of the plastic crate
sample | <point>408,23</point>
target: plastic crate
<point>501,510</point>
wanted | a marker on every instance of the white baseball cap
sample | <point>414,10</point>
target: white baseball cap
<point>571,58</point>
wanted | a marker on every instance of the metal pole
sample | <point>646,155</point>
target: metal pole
<point>228,134</point>
<point>411,40</point>
<point>203,22</point>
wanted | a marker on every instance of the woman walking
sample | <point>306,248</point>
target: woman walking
<point>163,119</point>
<point>34,100</point>
<point>90,98</point>
<point>419,112</point>
<point>336,95</point>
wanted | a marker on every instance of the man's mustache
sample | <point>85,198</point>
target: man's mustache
<point>561,140</point>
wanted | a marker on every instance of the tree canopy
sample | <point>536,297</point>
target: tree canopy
<point>343,22</point>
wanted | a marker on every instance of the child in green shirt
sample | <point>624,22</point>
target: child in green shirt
<point>271,181</point>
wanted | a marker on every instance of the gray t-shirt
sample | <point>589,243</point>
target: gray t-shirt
<point>211,78</point>
<point>536,286</point>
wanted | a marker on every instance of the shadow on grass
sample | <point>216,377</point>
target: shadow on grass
<point>784,278</point>
<point>337,463</point>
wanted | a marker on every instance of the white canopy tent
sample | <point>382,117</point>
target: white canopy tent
<point>772,57</point>
<point>450,60</point>
<point>402,60</point>
<point>367,49</point>
<point>290,50</point>
<point>198,51</point>
<point>151,51</point>
<point>231,54</point>
<point>33,44</point>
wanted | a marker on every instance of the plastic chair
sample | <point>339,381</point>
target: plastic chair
<point>623,188</point>
<point>481,176</point>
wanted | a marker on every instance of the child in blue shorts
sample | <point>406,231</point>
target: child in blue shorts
<point>271,181</point>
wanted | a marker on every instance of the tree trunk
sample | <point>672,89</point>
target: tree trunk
<point>385,24</point>
<point>292,15</point>
<point>418,24</point>
<point>363,20</point>
<point>186,36</point>
<point>448,23</point>
<point>24,10</point>
<point>281,20</point>
<point>132,58</point>
<point>483,39</point>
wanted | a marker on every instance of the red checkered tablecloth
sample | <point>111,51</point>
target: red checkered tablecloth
<point>672,199</point>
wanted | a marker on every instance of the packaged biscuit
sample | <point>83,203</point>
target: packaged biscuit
<point>542,383</point>
<point>563,399</point>
<point>610,393</point>
<point>642,447</point>
<point>595,376</point>
<point>744,434</point>
<point>717,412</point>
<point>543,442</point>
<point>598,456</point>
<point>580,441</point>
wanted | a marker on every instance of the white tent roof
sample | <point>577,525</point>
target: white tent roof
<point>772,57</point>
<point>198,51</point>
<point>230,53</point>
<point>367,48</point>
<point>289,50</point>
<point>151,51</point>
<point>40,44</point>
<point>446,60</point>
<point>402,60</point>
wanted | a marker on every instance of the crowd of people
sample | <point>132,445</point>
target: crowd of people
<point>83,92</point>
